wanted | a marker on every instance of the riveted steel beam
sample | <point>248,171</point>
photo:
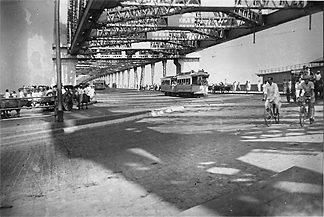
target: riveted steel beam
<point>250,4</point>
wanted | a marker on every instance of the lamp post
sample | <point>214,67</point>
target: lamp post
<point>58,61</point>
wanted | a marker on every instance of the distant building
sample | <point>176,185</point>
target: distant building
<point>279,74</point>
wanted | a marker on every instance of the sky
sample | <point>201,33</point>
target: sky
<point>27,37</point>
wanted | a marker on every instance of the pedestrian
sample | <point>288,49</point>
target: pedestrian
<point>264,85</point>
<point>239,86</point>
<point>21,93</point>
<point>91,92</point>
<point>248,86</point>
<point>7,94</point>
<point>14,95</point>
<point>259,86</point>
<point>234,86</point>
<point>318,83</point>
<point>285,86</point>
<point>289,87</point>
<point>297,87</point>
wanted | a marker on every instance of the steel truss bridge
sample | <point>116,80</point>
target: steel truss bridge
<point>110,36</point>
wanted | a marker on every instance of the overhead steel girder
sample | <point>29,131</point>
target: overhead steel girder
<point>158,11</point>
<point>88,21</point>
<point>270,20</point>
<point>130,32</point>
<point>250,4</point>
<point>104,43</point>
<point>128,57</point>
<point>167,35</point>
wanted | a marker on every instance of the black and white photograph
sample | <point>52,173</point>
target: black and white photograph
<point>161,108</point>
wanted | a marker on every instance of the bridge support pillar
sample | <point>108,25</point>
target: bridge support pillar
<point>178,66</point>
<point>142,76</point>
<point>123,79</point>
<point>188,62</point>
<point>68,65</point>
<point>152,72</point>
<point>128,77</point>
<point>164,66</point>
<point>118,82</point>
<point>107,79</point>
<point>135,78</point>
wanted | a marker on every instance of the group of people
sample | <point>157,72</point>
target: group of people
<point>26,92</point>
<point>304,88</point>
<point>236,86</point>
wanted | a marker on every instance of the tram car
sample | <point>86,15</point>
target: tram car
<point>189,84</point>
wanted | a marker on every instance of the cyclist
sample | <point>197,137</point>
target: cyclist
<point>307,91</point>
<point>272,95</point>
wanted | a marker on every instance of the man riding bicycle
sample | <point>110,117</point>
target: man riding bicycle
<point>272,94</point>
<point>307,92</point>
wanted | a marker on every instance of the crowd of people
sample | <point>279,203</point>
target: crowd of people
<point>36,92</point>
<point>23,92</point>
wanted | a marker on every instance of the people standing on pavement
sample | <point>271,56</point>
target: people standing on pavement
<point>239,86</point>
<point>285,86</point>
<point>318,84</point>
<point>289,88</point>
<point>7,94</point>
<point>21,93</point>
<point>297,87</point>
<point>259,86</point>
<point>80,92</point>
<point>234,86</point>
<point>92,92</point>
<point>248,86</point>
<point>14,95</point>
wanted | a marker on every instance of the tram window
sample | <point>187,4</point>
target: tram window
<point>166,82</point>
<point>194,80</point>
<point>188,81</point>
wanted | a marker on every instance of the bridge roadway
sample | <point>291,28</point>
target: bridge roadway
<point>190,156</point>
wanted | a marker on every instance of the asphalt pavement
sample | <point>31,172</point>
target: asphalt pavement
<point>144,154</point>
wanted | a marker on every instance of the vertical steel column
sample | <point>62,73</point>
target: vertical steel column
<point>118,73</point>
<point>58,62</point>
<point>178,66</point>
<point>123,78</point>
<point>135,78</point>
<point>164,65</point>
<point>142,76</point>
<point>152,72</point>
<point>128,77</point>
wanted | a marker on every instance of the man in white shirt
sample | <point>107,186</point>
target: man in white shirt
<point>7,94</point>
<point>272,94</point>
<point>307,91</point>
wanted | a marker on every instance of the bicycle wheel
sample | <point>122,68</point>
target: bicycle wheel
<point>302,115</point>
<point>268,117</point>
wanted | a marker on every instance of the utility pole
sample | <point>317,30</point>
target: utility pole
<point>58,61</point>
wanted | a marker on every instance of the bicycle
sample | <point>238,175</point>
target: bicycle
<point>303,111</point>
<point>271,114</point>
